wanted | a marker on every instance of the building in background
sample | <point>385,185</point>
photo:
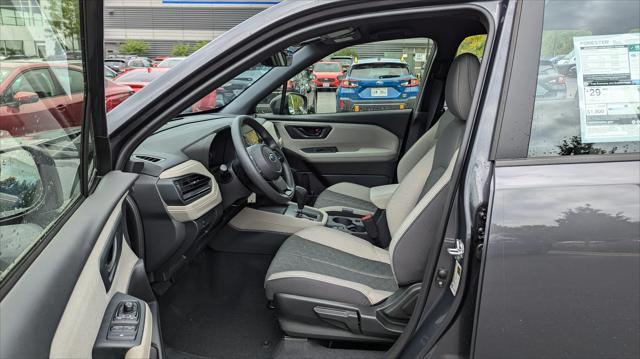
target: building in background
<point>164,24</point>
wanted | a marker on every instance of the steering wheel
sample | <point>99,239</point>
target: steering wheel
<point>264,163</point>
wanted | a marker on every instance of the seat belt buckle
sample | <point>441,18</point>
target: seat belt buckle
<point>370,226</point>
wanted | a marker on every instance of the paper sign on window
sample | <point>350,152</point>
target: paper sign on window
<point>608,78</point>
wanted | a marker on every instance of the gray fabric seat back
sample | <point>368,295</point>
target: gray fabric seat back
<point>416,206</point>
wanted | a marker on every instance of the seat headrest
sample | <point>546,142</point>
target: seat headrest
<point>461,82</point>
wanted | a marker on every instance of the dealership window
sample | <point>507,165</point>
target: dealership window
<point>587,96</point>
<point>377,76</point>
<point>11,47</point>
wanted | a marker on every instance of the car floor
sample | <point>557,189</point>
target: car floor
<point>216,308</point>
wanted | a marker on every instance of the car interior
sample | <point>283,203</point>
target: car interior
<point>302,234</point>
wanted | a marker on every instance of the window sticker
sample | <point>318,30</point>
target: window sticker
<point>608,74</point>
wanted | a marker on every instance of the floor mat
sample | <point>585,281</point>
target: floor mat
<point>217,308</point>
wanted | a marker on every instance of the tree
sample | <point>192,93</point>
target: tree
<point>473,45</point>
<point>64,18</point>
<point>347,52</point>
<point>134,47</point>
<point>180,50</point>
<point>198,45</point>
<point>574,146</point>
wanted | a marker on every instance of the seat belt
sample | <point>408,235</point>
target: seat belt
<point>418,128</point>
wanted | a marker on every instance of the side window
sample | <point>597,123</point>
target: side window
<point>71,80</point>
<point>37,81</point>
<point>40,140</point>
<point>587,97</point>
<point>376,76</point>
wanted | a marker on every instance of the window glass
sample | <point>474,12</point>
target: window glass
<point>229,91</point>
<point>588,87</point>
<point>40,125</point>
<point>72,81</point>
<point>375,76</point>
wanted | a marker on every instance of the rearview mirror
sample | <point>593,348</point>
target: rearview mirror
<point>24,97</point>
<point>279,59</point>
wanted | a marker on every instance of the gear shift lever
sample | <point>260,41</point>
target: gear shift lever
<point>300,194</point>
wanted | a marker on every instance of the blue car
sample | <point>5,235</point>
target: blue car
<point>377,84</point>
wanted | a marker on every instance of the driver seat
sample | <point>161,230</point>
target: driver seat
<point>349,277</point>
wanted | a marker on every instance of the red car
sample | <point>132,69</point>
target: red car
<point>139,78</point>
<point>40,96</point>
<point>327,74</point>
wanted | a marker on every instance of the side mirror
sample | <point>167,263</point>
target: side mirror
<point>21,188</point>
<point>279,59</point>
<point>29,180</point>
<point>24,97</point>
<point>297,104</point>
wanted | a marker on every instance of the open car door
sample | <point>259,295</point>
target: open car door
<point>72,283</point>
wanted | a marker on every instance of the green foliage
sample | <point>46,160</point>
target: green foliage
<point>64,18</point>
<point>198,45</point>
<point>134,47</point>
<point>473,45</point>
<point>347,52</point>
<point>181,50</point>
<point>559,42</point>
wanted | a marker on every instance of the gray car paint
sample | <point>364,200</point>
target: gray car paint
<point>562,267</point>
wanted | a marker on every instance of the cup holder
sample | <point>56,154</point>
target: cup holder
<point>348,224</point>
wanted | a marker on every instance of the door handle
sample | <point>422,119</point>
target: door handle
<point>61,108</point>
<point>308,132</point>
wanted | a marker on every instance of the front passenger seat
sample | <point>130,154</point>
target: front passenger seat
<point>327,284</point>
<point>362,199</point>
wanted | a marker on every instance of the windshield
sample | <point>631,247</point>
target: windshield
<point>327,67</point>
<point>229,91</point>
<point>170,62</point>
<point>379,70</point>
<point>142,76</point>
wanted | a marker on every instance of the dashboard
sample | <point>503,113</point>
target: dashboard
<point>189,186</point>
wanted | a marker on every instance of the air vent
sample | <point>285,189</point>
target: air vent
<point>192,186</point>
<point>148,158</point>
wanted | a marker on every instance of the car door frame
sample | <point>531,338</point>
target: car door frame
<point>36,296</point>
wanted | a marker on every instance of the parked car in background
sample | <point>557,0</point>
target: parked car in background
<point>32,92</point>
<point>551,84</point>
<point>123,64</point>
<point>327,74</point>
<point>157,60</point>
<point>375,84</point>
<point>170,62</point>
<point>109,73</point>
<point>345,61</point>
<point>567,64</point>
<point>137,79</point>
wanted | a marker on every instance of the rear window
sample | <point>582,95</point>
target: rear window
<point>379,70</point>
<point>327,67</point>
<point>139,76</point>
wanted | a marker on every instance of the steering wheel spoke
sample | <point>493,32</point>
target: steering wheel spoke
<point>280,185</point>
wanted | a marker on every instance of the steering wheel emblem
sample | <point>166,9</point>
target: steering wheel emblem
<point>273,157</point>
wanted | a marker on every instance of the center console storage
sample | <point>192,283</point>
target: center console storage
<point>347,224</point>
<point>286,219</point>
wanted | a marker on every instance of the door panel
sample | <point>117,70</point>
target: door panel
<point>325,149</point>
<point>83,314</point>
<point>562,258</point>
<point>60,297</point>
